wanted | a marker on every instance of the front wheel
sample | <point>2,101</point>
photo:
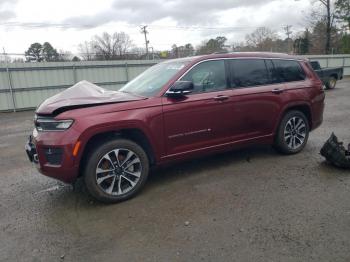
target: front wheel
<point>293,133</point>
<point>116,170</point>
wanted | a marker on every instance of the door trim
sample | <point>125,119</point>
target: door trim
<point>216,146</point>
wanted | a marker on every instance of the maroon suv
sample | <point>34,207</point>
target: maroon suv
<point>175,110</point>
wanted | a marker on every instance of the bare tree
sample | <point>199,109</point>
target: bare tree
<point>86,50</point>
<point>328,17</point>
<point>124,43</point>
<point>327,4</point>
<point>65,55</point>
<point>261,39</point>
<point>113,46</point>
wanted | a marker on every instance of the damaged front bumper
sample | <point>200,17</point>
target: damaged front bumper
<point>51,152</point>
<point>335,152</point>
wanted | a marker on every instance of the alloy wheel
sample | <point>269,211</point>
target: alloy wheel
<point>118,171</point>
<point>295,132</point>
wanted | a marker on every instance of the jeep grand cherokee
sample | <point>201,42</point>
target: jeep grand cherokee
<point>175,110</point>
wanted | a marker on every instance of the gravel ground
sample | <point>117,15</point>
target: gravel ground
<point>247,205</point>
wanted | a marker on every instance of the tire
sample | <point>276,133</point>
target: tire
<point>285,134</point>
<point>110,179</point>
<point>331,83</point>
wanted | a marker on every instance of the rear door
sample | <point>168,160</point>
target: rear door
<point>257,98</point>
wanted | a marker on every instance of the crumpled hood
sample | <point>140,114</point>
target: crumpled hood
<point>83,94</point>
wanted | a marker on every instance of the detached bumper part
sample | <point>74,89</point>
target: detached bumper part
<point>335,152</point>
<point>31,151</point>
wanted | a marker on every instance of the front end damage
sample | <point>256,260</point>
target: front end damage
<point>335,153</point>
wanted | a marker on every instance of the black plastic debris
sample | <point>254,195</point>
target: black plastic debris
<point>335,152</point>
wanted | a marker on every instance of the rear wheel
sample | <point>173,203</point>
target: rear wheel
<point>293,133</point>
<point>116,170</point>
<point>332,82</point>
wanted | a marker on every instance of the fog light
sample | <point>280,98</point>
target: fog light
<point>53,155</point>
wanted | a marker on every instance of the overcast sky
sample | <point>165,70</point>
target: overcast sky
<point>66,23</point>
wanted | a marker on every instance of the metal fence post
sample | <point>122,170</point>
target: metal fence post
<point>126,71</point>
<point>74,75</point>
<point>11,88</point>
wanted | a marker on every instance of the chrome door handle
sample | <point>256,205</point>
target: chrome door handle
<point>221,98</point>
<point>277,91</point>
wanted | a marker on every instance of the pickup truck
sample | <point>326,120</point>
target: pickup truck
<point>329,76</point>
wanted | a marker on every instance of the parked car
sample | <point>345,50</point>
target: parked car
<point>175,110</point>
<point>329,76</point>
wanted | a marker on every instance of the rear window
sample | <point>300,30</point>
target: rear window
<point>248,72</point>
<point>315,65</point>
<point>287,71</point>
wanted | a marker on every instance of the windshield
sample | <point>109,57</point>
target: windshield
<point>153,79</point>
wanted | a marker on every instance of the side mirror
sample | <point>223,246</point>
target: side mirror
<point>180,88</point>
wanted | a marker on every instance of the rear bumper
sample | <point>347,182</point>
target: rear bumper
<point>51,157</point>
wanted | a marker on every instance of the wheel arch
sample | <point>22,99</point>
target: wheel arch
<point>134,134</point>
<point>302,107</point>
<point>335,75</point>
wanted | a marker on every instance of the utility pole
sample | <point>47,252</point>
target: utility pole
<point>288,33</point>
<point>9,80</point>
<point>145,32</point>
<point>329,26</point>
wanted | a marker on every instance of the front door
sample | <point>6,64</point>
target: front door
<point>200,119</point>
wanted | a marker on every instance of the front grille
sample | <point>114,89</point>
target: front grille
<point>53,155</point>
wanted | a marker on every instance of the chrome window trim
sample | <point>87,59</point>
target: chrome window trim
<point>238,58</point>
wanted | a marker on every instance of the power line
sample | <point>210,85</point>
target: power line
<point>37,25</point>
<point>201,28</point>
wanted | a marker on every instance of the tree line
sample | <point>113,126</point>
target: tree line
<point>328,33</point>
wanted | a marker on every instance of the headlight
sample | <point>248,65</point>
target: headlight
<point>50,124</point>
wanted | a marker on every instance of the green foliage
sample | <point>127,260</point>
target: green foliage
<point>38,53</point>
<point>49,53</point>
<point>342,11</point>
<point>34,52</point>
<point>182,51</point>
<point>213,45</point>
<point>345,44</point>
<point>302,44</point>
<point>76,59</point>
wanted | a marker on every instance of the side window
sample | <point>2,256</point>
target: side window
<point>315,65</point>
<point>207,76</point>
<point>248,72</point>
<point>288,70</point>
<point>272,72</point>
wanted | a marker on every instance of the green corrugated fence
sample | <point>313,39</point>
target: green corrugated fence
<point>26,85</point>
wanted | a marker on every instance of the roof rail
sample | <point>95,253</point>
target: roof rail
<point>220,52</point>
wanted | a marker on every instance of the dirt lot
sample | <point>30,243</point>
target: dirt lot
<point>251,205</point>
